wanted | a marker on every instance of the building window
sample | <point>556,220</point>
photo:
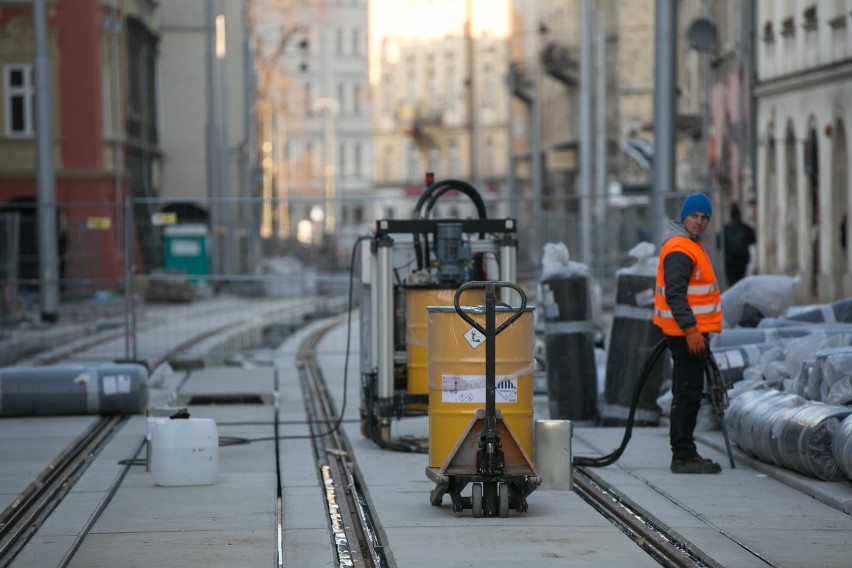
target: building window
<point>341,98</point>
<point>410,80</point>
<point>341,161</point>
<point>490,87</point>
<point>19,86</point>
<point>387,92</point>
<point>309,159</point>
<point>453,159</point>
<point>388,165</point>
<point>356,158</point>
<point>339,41</point>
<point>308,99</point>
<point>452,85</point>
<point>411,161</point>
<point>434,159</point>
<point>356,99</point>
<point>356,42</point>
<point>490,162</point>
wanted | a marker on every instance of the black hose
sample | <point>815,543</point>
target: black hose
<point>611,458</point>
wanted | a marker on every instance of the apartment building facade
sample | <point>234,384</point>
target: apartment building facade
<point>440,105</point>
<point>105,133</point>
<point>803,93</point>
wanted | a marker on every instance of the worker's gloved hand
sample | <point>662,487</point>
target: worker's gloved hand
<point>695,342</point>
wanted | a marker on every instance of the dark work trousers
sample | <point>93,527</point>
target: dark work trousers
<point>687,390</point>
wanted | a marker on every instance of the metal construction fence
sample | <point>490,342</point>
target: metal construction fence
<point>171,255</point>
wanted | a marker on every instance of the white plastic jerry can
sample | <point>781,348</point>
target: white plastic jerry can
<point>184,451</point>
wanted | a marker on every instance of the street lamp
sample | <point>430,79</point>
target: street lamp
<point>330,110</point>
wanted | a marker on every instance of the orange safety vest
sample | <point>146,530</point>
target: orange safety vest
<point>702,293</point>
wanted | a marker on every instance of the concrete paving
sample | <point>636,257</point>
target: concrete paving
<point>754,515</point>
<point>749,516</point>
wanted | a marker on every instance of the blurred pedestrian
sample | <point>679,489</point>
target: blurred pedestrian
<point>687,306</point>
<point>738,237</point>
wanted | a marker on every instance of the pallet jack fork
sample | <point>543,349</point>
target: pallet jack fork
<point>487,455</point>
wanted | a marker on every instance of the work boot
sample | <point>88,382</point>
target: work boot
<point>695,464</point>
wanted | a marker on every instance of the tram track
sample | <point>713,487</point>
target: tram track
<point>645,532</point>
<point>355,540</point>
<point>22,518</point>
<point>27,512</point>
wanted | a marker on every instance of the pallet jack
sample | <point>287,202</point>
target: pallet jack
<point>487,456</point>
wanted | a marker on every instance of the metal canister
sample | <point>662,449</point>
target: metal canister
<point>457,376</point>
<point>417,300</point>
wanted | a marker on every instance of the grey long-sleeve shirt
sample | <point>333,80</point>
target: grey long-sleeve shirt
<point>677,270</point>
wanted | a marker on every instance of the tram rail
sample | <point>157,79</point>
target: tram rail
<point>652,538</point>
<point>22,518</point>
<point>27,512</point>
<point>356,540</point>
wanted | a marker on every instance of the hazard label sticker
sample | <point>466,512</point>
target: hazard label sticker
<point>471,389</point>
<point>474,338</point>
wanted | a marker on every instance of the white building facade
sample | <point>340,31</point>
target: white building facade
<point>804,107</point>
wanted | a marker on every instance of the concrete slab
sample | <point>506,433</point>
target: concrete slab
<point>29,445</point>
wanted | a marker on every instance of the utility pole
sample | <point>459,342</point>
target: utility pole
<point>226,206</point>
<point>47,244</point>
<point>600,213</point>
<point>210,101</point>
<point>665,103</point>
<point>250,211</point>
<point>586,131</point>
<point>472,103</point>
<point>535,131</point>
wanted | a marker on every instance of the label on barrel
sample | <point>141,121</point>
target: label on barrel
<point>471,388</point>
<point>474,338</point>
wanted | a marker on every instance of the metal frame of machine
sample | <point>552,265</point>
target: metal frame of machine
<point>419,253</point>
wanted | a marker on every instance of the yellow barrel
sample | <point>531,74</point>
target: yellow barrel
<point>417,332</point>
<point>457,376</point>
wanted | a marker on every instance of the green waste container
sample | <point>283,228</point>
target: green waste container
<point>186,249</point>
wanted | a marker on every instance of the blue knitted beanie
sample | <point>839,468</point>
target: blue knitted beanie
<point>695,203</point>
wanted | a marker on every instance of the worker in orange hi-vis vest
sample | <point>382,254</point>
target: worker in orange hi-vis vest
<point>687,306</point>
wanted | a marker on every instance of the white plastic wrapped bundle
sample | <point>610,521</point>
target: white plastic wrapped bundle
<point>752,415</point>
<point>799,384</point>
<point>802,439</point>
<point>831,380</point>
<point>841,446</point>
<point>756,297</point>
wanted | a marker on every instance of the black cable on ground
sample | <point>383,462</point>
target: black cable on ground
<point>611,458</point>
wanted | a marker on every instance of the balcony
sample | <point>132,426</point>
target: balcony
<point>560,63</point>
<point>417,120</point>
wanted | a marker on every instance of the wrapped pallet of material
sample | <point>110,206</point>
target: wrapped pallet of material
<point>841,446</point>
<point>802,439</point>
<point>752,416</point>
<point>632,338</point>
<point>750,336</point>
<point>839,311</point>
<point>569,341</point>
<point>734,360</point>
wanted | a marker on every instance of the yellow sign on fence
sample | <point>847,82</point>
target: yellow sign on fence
<point>164,219</point>
<point>98,223</point>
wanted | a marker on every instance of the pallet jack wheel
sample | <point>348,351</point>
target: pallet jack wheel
<point>503,496</point>
<point>476,499</point>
